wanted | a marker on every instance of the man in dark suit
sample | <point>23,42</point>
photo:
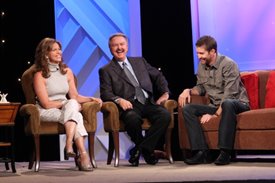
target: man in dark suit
<point>116,85</point>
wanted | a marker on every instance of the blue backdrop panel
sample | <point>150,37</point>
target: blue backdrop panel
<point>83,27</point>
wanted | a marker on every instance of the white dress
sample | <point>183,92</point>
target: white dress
<point>57,88</point>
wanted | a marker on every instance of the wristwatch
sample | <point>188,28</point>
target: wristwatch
<point>117,100</point>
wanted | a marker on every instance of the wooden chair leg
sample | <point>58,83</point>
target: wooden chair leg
<point>7,166</point>
<point>91,144</point>
<point>37,152</point>
<point>13,166</point>
<point>31,158</point>
<point>77,155</point>
<point>12,152</point>
<point>110,149</point>
<point>168,145</point>
<point>116,144</point>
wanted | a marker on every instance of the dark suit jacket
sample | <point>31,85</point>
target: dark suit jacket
<point>115,84</point>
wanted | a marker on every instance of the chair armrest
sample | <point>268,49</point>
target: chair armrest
<point>110,117</point>
<point>170,105</point>
<point>111,114</point>
<point>89,112</point>
<point>31,117</point>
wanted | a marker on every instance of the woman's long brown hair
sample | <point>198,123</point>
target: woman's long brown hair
<point>41,60</point>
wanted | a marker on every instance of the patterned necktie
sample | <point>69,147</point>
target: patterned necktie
<point>139,93</point>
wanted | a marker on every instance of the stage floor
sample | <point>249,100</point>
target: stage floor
<point>65,171</point>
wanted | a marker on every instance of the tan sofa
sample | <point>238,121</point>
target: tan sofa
<point>255,128</point>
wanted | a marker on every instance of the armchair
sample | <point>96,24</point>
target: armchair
<point>35,127</point>
<point>113,125</point>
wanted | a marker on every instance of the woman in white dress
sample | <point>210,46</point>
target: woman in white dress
<point>53,82</point>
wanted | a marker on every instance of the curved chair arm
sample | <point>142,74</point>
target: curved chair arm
<point>170,105</point>
<point>111,116</point>
<point>89,112</point>
<point>31,114</point>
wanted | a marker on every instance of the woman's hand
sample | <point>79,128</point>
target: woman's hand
<point>98,100</point>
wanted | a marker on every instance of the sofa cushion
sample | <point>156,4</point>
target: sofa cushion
<point>212,125</point>
<point>250,80</point>
<point>259,119</point>
<point>270,88</point>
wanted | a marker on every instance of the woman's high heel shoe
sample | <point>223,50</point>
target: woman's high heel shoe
<point>68,154</point>
<point>88,167</point>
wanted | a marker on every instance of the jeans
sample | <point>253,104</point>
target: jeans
<point>227,128</point>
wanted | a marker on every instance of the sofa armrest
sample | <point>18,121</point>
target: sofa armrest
<point>197,99</point>
<point>31,117</point>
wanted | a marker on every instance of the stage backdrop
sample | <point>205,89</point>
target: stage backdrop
<point>244,30</point>
<point>83,27</point>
